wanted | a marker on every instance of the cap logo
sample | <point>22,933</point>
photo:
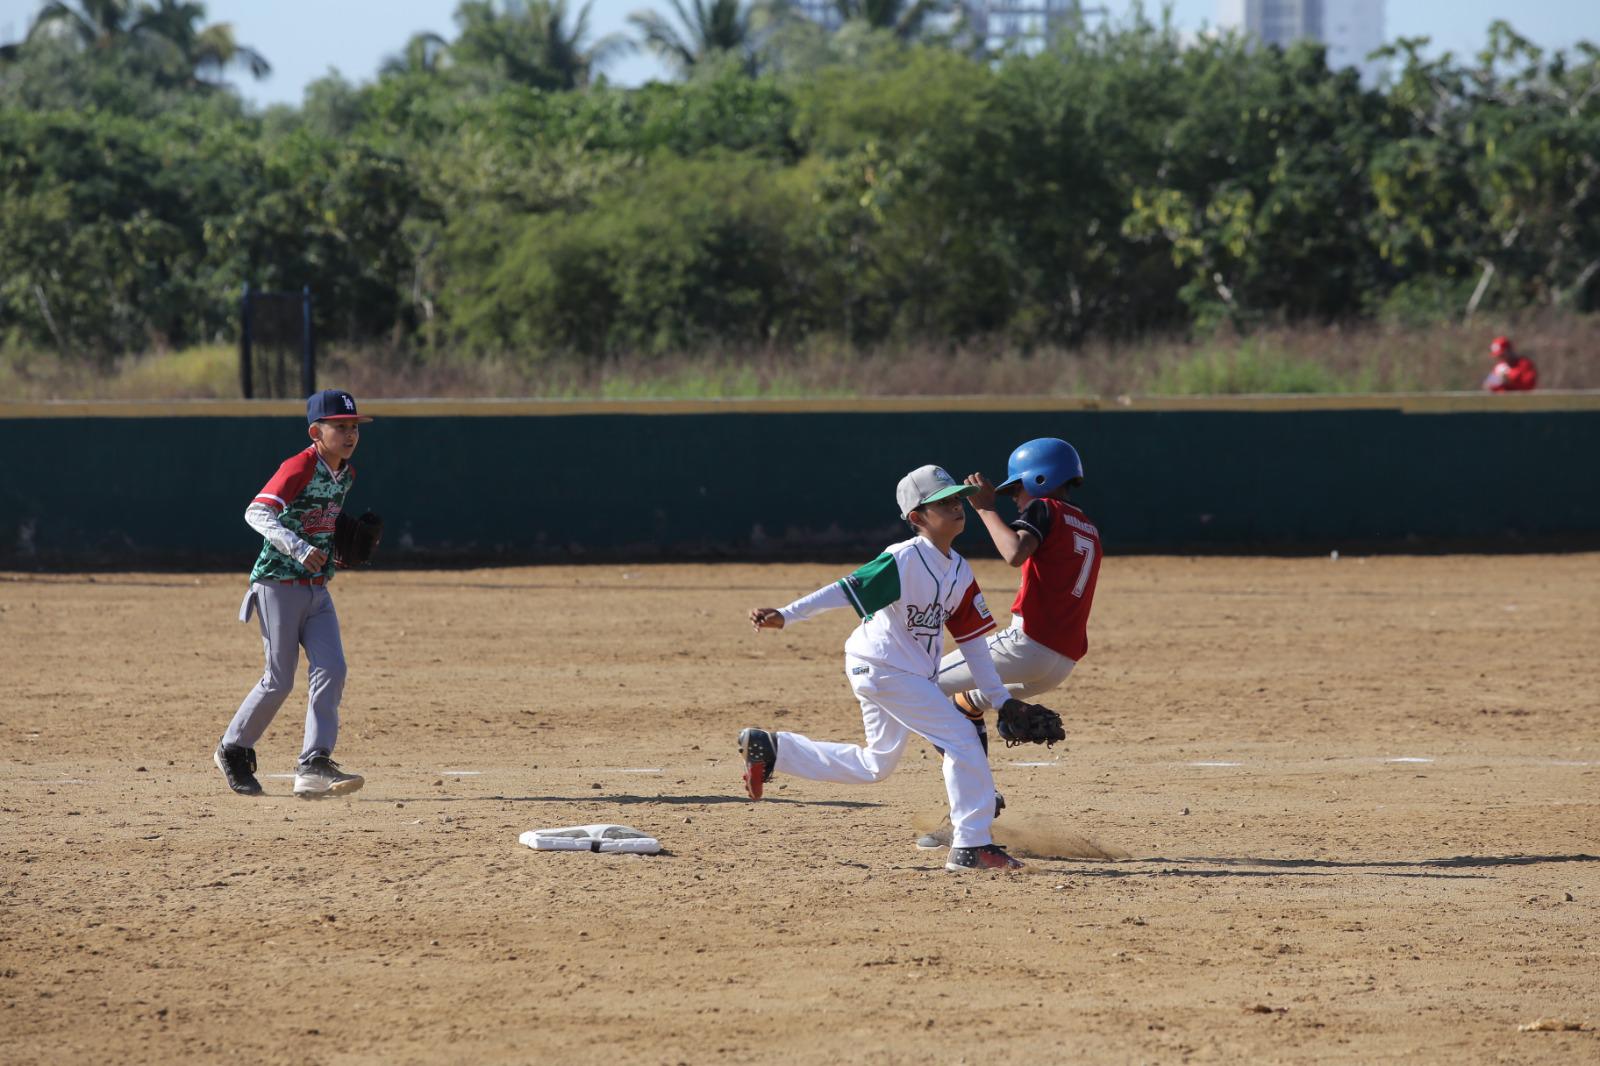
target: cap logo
<point>349,404</point>
<point>924,482</point>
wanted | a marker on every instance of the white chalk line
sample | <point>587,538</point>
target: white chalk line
<point>1451,762</point>
<point>439,773</point>
<point>1457,762</point>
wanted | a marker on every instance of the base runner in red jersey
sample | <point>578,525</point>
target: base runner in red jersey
<point>1058,549</point>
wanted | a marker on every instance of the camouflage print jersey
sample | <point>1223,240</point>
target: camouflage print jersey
<point>308,497</point>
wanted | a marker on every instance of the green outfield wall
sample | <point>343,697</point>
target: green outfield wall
<point>130,485</point>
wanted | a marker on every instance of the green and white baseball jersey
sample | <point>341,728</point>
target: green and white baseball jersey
<point>307,497</point>
<point>905,598</point>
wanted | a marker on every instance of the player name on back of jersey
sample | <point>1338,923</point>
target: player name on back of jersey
<point>1079,524</point>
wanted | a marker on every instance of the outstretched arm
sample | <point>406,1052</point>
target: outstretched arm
<point>1014,546</point>
<point>827,598</point>
<point>866,589</point>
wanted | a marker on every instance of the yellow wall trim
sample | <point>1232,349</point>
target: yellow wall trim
<point>1409,403</point>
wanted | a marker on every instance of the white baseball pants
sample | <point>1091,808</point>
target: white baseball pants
<point>894,705</point>
<point>1026,667</point>
<point>292,616</point>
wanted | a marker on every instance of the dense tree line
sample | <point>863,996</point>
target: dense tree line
<point>491,192</point>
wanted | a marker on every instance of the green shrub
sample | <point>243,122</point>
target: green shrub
<point>1249,368</point>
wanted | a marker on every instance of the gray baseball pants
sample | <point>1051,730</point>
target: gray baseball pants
<point>291,616</point>
<point>1025,666</point>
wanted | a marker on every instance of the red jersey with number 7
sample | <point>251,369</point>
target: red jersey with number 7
<point>1058,579</point>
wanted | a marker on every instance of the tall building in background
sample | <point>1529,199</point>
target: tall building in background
<point>1028,24</point>
<point>1353,29</point>
<point>1000,24</point>
<point>824,12</point>
<point>1349,28</point>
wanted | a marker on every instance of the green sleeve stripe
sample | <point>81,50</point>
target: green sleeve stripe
<point>874,586</point>
<point>855,601</point>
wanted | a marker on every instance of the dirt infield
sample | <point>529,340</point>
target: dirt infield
<point>1361,800</point>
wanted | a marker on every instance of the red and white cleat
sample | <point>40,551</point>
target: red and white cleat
<point>760,751</point>
<point>987,857</point>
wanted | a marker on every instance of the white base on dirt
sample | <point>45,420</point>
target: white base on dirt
<point>600,837</point>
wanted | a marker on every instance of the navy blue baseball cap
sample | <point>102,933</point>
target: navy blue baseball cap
<point>332,405</point>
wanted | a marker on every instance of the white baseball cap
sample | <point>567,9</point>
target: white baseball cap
<point>927,484</point>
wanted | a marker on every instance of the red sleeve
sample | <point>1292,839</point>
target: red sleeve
<point>292,477</point>
<point>972,618</point>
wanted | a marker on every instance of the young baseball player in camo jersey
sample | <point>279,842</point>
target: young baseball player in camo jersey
<point>296,513</point>
<point>1058,549</point>
<point>905,598</point>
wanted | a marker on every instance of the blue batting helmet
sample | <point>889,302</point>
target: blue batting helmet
<point>1041,466</point>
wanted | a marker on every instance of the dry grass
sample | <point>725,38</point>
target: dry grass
<point>1364,358</point>
<point>207,372</point>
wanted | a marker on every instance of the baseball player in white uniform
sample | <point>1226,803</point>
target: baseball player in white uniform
<point>905,598</point>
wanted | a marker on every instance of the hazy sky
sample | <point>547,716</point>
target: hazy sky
<point>304,39</point>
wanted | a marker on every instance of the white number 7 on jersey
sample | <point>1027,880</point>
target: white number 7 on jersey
<point>1083,546</point>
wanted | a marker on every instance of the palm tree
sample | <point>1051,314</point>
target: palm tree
<point>205,50</point>
<point>709,28</point>
<point>424,53</point>
<point>531,42</point>
<point>173,26</point>
<point>903,18</point>
<point>92,23</point>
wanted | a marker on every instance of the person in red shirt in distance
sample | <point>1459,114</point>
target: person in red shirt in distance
<point>1513,372</point>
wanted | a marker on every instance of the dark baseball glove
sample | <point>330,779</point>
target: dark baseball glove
<point>1029,723</point>
<point>355,539</point>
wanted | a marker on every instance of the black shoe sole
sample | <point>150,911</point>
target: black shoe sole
<point>760,753</point>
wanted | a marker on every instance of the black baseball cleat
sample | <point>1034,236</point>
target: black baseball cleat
<point>987,857</point>
<point>760,751</point>
<point>238,765</point>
